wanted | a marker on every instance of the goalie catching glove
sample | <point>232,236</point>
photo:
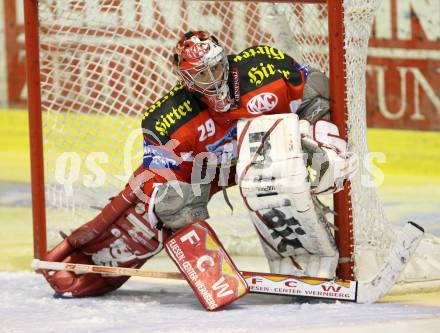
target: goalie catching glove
<point>273,180</point>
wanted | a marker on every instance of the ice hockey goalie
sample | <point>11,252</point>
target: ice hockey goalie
<point>257,119</point>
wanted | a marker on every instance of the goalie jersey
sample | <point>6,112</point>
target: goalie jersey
<point>180,125</point>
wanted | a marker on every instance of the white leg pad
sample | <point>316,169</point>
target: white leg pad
<point>273,180</point>
<point>295,246</point>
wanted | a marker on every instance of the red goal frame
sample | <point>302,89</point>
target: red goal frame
<point>337,74</point>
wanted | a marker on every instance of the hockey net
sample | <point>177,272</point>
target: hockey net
<point>103,62</point>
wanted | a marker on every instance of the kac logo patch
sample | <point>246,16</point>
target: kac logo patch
<point>262,103</point>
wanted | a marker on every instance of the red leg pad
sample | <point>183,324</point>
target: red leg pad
<point>120,236</point>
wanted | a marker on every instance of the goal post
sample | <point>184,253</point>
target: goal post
<point>94,66</point>
<point>35,127</point>
<point>339,115</point>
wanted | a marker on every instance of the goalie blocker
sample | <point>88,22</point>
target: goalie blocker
<point>206,266</point>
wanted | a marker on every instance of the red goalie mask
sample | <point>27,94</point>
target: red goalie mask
<point>201,63</point>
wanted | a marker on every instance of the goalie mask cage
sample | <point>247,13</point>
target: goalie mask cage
<point>94,66</point>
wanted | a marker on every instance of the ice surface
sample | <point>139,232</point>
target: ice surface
<point>147,305</point>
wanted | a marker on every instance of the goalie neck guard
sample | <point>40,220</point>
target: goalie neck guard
<point>202,64</point>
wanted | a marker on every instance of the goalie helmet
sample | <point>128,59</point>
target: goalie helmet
<point>202,64</point>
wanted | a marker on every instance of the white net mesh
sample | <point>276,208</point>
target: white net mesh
<point>366,205</point>
<point>104,62</point>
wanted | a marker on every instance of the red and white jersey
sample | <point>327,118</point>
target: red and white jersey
<point>180,126</point>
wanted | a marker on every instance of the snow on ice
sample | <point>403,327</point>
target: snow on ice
<point>147,305</point>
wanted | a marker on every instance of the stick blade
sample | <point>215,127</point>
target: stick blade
<point>406,245</point>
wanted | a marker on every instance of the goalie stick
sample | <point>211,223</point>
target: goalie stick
<point>265,283</point>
